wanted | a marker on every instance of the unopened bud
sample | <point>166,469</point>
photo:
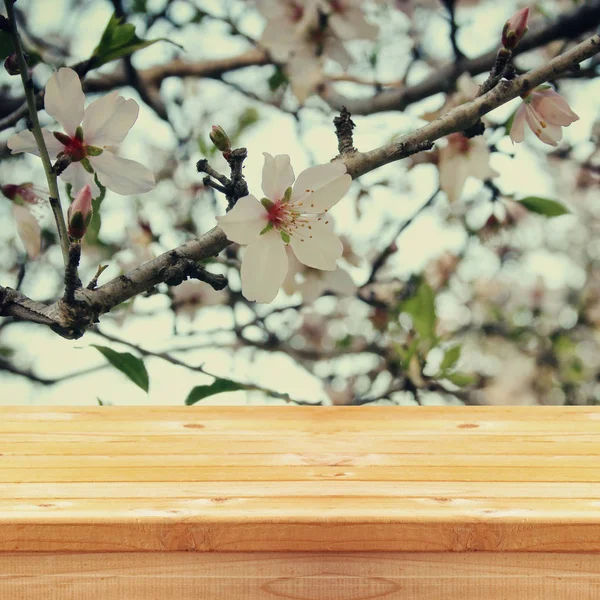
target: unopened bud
<point>11,65</point>
<point>515,28</point>
<point>220,139</point>
<point>10,190</point>
<point>79,214</point>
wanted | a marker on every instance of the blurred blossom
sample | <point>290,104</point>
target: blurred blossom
<point>313,283</point>
<point>89,138</point>
<point>348,253</point>
<point>438,272</point>
<point>462,158</point>
<point>191,295</point>
<point>298,35</point>
<point>294,216</point>
<point>347,20</point>
<point>25,198</point>
<point>29,230</point>
<point>545,111</point>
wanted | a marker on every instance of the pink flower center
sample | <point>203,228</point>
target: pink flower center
<point>459,142</point>
<point>75,149</point>
<point>296,12</point>
<point>337,6</point>
<point>278,214</point>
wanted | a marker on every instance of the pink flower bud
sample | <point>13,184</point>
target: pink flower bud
<point>515,28</point>
<point>220,139</point>
<point>79,214</point>
<point>11,65</point>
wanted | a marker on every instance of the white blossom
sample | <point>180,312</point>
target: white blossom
<point>287,215</point>
<point>313,283</point>
<point>29,230</point>
<point>303,33</point>
<point>89,137</point>
<point>461,158</point>
<point>27,210</point>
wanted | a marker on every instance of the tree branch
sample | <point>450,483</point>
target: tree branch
<point>469,113</point>
<point>71,321</point>
<point>569,25</point>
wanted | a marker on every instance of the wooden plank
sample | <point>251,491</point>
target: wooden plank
<point>157,473</point>
<point>289,459</point>
<point>300,576</point>
<point>338,414</point>
<point>196,425</point>
<point>307,509</point>
<point>443,490</point>
<point>78,445</point>
<point>275,479</point>
<point>292,533</point>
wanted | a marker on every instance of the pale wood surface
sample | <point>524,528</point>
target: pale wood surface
<point>156,479</point>
<point>300,576</point>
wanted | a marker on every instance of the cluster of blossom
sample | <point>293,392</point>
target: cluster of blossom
<point>288,233</point>
<point>303,33</point>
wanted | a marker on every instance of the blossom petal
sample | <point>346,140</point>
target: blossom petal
<point>318,247</point>
<point>25,142</point>
<point>78,177</point>
<point>305,72</point>
<point>264,266</point>
<point>478,159</point>
<point>517,129</point>
<point>319,188</point>
<point>29,230</point>
<point>277,176</point>
<point>122,175</point>
<point>549,134</point>
<point>64,99</point>
<point>554,108</point>
<point>107,120</point>
<point>313,286</point>
<point>244,222</point>
<point>338,281</point>
<point>352,25</point>
<point>453,172</point>
<point>289,284</point>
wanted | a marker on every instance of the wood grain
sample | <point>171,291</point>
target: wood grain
<point>300,576</point>
<point>414,479</point>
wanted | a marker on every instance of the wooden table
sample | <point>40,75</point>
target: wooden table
<point>300,503</point>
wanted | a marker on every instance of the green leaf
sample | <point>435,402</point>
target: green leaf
<point>130,365</point>
<point>216,387</point>
<point>93,231</point>
<point>406,354</point>
<point>205,149</point>
<point>6,352</point>
<point>450,358</point>
<point>509,122</point>
<point>277,79</point>
<point>544,206</point>
<point>421,307</point>
<point>119,40</point>
<point>103,402</point>
<point>460,379</point>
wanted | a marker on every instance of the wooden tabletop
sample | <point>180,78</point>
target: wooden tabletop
<point>367,478</point>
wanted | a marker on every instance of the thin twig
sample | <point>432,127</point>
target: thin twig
<point>37,133</point>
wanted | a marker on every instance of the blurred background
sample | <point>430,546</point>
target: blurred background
<point>458,284</point>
